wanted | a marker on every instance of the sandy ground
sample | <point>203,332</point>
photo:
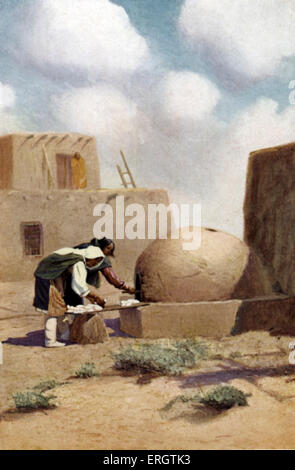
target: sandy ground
<point>116,412</point>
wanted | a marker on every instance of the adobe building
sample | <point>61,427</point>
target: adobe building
<point>269,213</point>
<point>49,186</point>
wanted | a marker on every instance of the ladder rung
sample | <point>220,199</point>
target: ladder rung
<point>125,182</point>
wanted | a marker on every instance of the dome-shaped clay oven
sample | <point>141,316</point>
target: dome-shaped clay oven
<point>223,267</point>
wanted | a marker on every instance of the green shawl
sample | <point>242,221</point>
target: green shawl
<point>54,265</point>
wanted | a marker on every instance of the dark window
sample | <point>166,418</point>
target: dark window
<point>33,238</point>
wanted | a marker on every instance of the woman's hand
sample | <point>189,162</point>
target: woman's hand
<point>95,299</point>
<point>129,290</point>
<point>100,301</point>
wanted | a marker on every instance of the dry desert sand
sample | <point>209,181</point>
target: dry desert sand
<point>114,411</point>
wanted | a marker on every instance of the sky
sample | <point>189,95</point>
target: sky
<point>186,88</point>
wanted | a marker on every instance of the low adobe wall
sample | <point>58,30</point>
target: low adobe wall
<point>211,319</point>
<point>67,220</point>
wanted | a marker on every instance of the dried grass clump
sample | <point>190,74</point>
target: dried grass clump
<point>86,371</point>
<point>162,359</point>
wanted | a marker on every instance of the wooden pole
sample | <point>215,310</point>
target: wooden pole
<point>51,179</point>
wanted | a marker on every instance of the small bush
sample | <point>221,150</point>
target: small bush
<point>155,357</point>
<point>86,371</point>
<point>197,348</point>
<point>32,400</point>
<point>220,398</point>
<point>47,385</point>
<point>224,397</point>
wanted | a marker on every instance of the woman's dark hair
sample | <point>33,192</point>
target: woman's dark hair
<point>102,243</point>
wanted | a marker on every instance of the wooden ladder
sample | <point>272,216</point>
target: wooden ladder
<point>127,171</point>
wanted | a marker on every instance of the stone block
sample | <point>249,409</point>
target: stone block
<point>162,320</point>
<point>210,319</point>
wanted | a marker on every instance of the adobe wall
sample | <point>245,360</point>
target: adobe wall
<point>210,319</point>
<point>30,168</point>
<point>67,219</point>
<point>269,212</point>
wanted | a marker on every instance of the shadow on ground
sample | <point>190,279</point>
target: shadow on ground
<point>193,413</point>
<point>219,376</point>
<point>114,324</point>
<point>33,338</point>
<point>36,338</point>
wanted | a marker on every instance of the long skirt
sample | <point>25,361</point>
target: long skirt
<point>41,299</point>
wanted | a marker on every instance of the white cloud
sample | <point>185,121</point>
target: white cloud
<point>187,96</point>
<point>7,96</point>
<point>10,121</point>
<point>89,37</point>
<point>208,164</point>
<point>149,139</point>
<point>259,126</point>
<point>245,39</point>
<point>101,110</point>
<point>105,112</point>
<point>197,160</point>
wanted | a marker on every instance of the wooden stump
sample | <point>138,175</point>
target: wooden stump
<point>89,328</point>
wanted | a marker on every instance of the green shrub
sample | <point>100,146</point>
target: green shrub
<point>195,347</point>
<point>158,358</point>
<point>87,370</point>
<point>225,397</point>
<point>220,398</point>
<point>32,400</point>
<point>47,385</point>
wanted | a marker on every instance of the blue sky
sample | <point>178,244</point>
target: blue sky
<point>189,87</point>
